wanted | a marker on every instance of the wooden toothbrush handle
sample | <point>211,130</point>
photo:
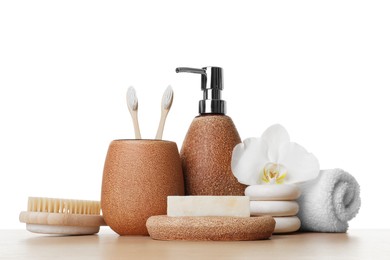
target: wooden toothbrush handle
<point>161,125</point>
<point>136,125</point>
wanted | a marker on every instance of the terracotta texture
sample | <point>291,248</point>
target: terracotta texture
<point>210,228</point>
<point>138,176</point>
<point>206,157</point>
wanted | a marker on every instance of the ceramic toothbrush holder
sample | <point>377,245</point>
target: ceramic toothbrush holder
<point>138,176</point>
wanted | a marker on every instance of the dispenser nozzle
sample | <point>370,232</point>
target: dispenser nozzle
<point>212,86</point>
<point>190,70</point>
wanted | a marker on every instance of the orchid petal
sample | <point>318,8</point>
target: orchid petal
<point>248,160</point>
<point>301,165</point>
<point>275,136</point>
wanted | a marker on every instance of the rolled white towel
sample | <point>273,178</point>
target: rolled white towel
<point>328,202</point>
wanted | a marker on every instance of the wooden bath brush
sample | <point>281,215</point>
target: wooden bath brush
<point>62,216</point>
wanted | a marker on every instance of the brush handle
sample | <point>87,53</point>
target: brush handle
<point>160,129</point>
<point>137,132</point>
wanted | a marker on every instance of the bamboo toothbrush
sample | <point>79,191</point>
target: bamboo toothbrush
<point>166,104</point>
<point>132,104</point>
<point>62,216</point>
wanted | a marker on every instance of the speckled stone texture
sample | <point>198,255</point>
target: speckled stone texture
<point>210,228</point>
<point>138,176</point>
<point>206,157</point>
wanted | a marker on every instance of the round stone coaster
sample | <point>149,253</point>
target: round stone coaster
<point>210,228</point>
<point>273,192</point>
<point>287,224</point>
<point>274,208</point>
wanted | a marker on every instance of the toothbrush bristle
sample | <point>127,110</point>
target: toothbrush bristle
<point>168,98</point>
<point>132,101</point>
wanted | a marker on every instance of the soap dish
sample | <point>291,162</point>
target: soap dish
<point>210,228</point>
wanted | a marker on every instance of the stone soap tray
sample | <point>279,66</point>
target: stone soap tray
<point>210,228</point>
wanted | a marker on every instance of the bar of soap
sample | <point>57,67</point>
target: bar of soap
<point>208,206</point>
<point>273,192</point>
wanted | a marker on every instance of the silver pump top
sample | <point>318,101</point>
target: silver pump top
<point>212,86</point>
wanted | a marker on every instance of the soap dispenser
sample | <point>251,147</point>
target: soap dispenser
<point>207,148</point>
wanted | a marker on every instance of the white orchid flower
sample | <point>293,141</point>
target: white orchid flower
<point>273,159</point>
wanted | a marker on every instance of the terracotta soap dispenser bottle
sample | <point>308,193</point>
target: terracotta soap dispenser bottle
<point>207,148</point>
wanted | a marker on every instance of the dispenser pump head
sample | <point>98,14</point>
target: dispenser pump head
<point>212,86</point>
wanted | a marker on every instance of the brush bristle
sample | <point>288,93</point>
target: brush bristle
<point>168,98</point>
<point>131,97</point>
<point>65,206</point>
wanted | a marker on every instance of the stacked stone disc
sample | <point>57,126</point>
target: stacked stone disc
<point>277,200</point>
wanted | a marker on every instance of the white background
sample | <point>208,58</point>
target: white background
<point>320,68</point>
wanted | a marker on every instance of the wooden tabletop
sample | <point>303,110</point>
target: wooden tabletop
<point>356,244</point>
